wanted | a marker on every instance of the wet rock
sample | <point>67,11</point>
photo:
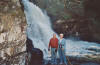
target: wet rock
<point>35,55</point>
<point>89,63</point>
<point>29,45</point>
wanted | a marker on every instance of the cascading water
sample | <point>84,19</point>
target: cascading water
<point>39,26</point>
<point>39,31</point>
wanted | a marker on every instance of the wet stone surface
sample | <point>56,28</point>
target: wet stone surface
<point>48,62</point>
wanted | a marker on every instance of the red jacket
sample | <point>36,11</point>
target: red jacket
<point>53,43</point>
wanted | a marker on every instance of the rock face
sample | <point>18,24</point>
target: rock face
<point>12,31</point>
<point>75,27</point>
<point>77,17</point>
<point>35,55</point>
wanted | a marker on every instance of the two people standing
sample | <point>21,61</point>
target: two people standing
<point>57,45</point>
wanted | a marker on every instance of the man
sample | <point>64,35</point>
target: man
<point>61,50</point>
<point>54,46</point>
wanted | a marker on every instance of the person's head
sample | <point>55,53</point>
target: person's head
<point>61,35</point>
<point>54,35</point>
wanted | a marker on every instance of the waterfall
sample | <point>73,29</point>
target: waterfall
<point>39,27</point>
<point>39,30</point>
